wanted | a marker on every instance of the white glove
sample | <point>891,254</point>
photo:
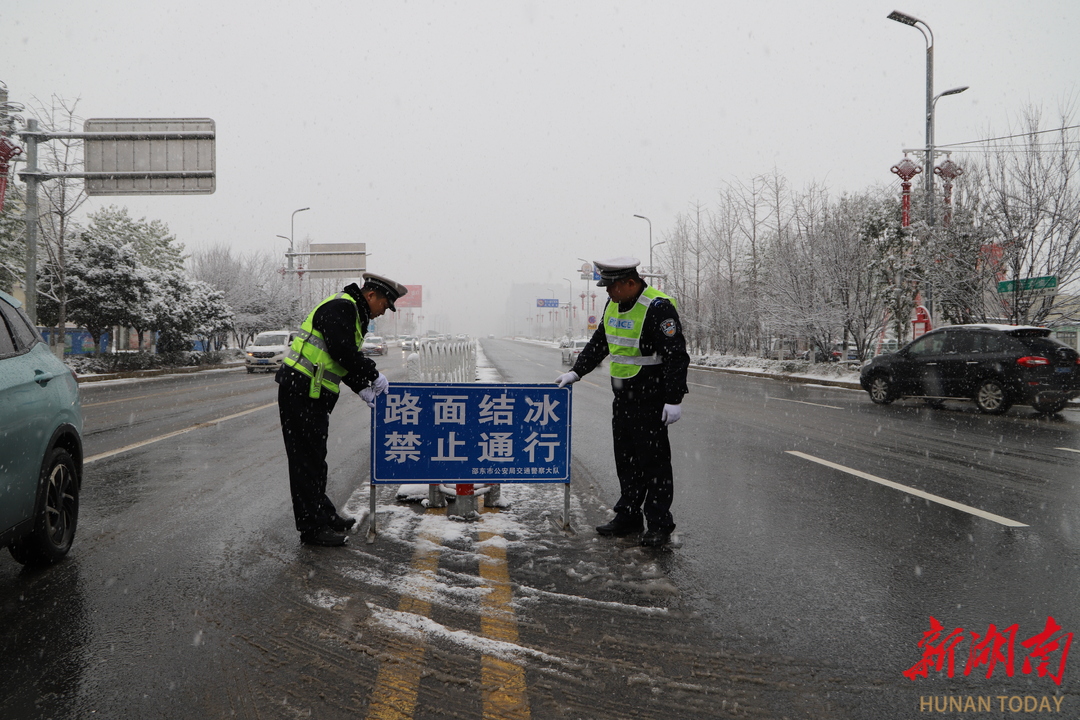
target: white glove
<point>368,396</point>
<point>671,414</point>
<point>567,379</point>
<point>381,384</point>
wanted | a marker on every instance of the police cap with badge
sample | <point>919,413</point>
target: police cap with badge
<point>615,269</point>
<point>390,289</point>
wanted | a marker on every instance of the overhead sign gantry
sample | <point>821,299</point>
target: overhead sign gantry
<point>141,156</point>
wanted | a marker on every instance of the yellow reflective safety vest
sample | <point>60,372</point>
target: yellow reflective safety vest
<point>309,355</point>
<point>623,331</point>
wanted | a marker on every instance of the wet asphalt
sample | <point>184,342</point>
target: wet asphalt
<point>794,589</point>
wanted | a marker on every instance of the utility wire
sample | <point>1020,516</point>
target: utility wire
<point>1008,137</point>
<point>1040,146</point>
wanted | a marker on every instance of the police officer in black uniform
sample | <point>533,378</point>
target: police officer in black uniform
<point>326,353</point>
<point>642,334</point>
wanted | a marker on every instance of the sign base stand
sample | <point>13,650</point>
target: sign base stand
<point>435,497</point>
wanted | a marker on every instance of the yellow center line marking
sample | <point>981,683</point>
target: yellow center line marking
<point>166,436</point>
<point>503,682</point>
<point>1068,450</point>
<point>912,491</point>
<point>398,681</point>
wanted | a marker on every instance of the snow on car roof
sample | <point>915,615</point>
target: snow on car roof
<point>998,328</point>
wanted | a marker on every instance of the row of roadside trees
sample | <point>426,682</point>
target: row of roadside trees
<point>764,261</point>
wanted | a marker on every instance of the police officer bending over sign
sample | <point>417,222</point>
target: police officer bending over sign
<point>324,354</point>
<point>642,333</point>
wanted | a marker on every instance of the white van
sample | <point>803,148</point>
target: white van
<point>268,350</point>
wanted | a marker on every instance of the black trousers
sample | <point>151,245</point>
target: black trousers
<point>642,460</point>
<point>305,425</point>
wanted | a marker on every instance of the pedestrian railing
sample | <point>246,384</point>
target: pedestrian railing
<point>443,361</point>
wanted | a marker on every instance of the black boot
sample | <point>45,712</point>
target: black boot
<point>342,524</point>
<point>622,525</point>
<point>656,538</point>
<point>324,536</point>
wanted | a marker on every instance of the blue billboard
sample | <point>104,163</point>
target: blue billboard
<point>471,433</point>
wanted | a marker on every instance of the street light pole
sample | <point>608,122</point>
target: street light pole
<point>933,110</point>
<point>292,230</point>
<point>931,102</point>
<point>642,217</point>
<point>657,279</point>
<point>928,36</point>
<point>570,310</point>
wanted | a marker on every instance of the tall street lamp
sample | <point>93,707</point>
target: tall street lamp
<point>551,314</point>
<point>928,36</point>
<point>651,246</point>
<point>642,217</point>
<point>292,232</point>
<point>570,309</point>
<point>931,102</point>
<point>933,110</point>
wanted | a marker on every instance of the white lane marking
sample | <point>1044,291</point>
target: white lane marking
<point>912,491</point>
<point>1068,450</point>
<point>803,402</point>
<point>770,397</point>
<point>166,436</point>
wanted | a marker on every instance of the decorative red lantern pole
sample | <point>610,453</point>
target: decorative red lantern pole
<point>906,170</point>
<point>7,152</point>
<point>948,171</point>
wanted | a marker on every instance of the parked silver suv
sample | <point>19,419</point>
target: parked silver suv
<point>268,349</point>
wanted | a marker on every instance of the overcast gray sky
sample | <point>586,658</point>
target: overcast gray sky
<point>476,144</point>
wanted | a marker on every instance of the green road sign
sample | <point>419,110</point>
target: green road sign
<point>1046,285</point>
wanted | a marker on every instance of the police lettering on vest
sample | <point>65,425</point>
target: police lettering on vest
<point>623,331</point>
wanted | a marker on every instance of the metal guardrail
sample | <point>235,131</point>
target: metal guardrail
<point>443,361</point>
<point>446,361</point>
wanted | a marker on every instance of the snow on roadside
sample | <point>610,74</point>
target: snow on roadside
<point>848,372</point>
<point>795,368</point>
<point>485,371</point>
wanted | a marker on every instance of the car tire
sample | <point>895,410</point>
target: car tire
<point>991,398</point>
<point>881,390</point>
<point>1049,406</point>
<point>57,515</point>
<point>251,371</point>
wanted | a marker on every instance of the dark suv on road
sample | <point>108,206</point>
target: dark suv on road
<point>995,365</point>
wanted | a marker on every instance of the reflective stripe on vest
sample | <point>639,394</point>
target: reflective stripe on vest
<point>623,332</point>
<point>642,360</point>
<point>308,349</point>
<point>301,361</point>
